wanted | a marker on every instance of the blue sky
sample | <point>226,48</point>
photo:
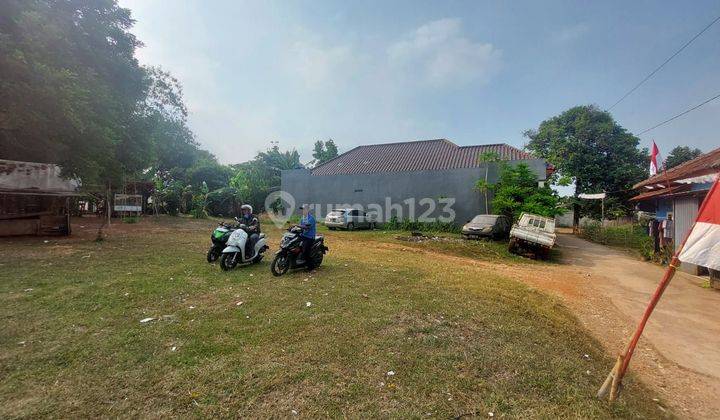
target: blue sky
<point>473,72</point>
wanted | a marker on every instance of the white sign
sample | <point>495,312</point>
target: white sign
<point>592,196</point>
<point>128,202</point>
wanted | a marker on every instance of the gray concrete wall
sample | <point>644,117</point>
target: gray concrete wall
<point>399,190</point>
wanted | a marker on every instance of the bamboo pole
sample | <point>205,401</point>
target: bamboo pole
<point>669,273</point>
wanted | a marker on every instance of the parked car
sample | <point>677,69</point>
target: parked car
<point>533,233</point>
<point>495,226</point>
<point>349,219</point>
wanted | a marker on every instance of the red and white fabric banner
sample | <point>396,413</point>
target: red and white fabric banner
<point>655,159</point>
<point>702,246</point>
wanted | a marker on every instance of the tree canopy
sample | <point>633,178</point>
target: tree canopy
<point>589,146</point>
<point>517,191</point>
<point>681,154</point>
<point>322,152</point>
<point>70,86</point>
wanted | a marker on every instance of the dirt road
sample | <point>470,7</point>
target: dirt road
<point>678,355</point>
<point>608,291</point>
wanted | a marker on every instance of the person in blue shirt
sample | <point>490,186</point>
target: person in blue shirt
<point>307,223</point>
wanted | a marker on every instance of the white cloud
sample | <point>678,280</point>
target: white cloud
<point>319,66</point>
<point>570,34</point>
<point>444,56</point>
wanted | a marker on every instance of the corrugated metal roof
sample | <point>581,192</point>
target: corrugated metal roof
<point>419,155</point>
<point>709,163</point>
<point>661,192</point>
<point>34,177</point>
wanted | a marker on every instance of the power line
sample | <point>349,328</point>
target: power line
<point>679,115</point>
<point>664,63</point>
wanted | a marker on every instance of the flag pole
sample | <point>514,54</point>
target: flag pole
<point>613,382</point>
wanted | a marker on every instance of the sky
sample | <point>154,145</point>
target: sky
<point>473,72</point>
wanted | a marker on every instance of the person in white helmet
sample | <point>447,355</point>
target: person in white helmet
<point>252,225</point>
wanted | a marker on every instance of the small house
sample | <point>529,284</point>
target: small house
<point>679,192</point>
<point>34,199</point>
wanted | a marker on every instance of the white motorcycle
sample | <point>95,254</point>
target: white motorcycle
<point>236,252</point>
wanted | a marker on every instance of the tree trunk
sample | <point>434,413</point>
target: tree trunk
<point>487,209</point>
<point>576,210</point>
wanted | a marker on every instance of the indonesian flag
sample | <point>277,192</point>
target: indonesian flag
<point>702,246</point>
<point>655,160</point>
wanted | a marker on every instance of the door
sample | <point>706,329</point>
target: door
<point>354,218</point>
<point>363,219</point>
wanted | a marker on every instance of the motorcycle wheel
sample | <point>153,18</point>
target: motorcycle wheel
<point>280,265</point>
<point>213,254</point>
<point>226,262</point>
<point>258,258</point>
<point>317,260</point>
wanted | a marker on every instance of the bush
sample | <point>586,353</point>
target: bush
<point>632,236</point>
<point>171,201</point>
<point>223,202</point>
<point>130,219</point>
<point>409,225</point>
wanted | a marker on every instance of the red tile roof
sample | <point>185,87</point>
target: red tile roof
<point>419,155</point>
<point>706,164</point>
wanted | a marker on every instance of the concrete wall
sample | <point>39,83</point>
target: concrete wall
<point>390,190</point>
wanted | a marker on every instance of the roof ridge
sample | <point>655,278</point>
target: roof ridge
<point>335,158</point>
<point>408,142</point>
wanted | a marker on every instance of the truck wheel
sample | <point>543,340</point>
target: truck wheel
<point>351,226</point>
<point>512,247</point>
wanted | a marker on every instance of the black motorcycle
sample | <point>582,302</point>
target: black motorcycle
<point>290,253</point>
<point>219,238</point>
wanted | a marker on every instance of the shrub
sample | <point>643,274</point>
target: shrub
<point>409,225</point>
<point>631,236</point>
<point>223,202</point>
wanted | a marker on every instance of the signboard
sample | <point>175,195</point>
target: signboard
<point>128,202</point>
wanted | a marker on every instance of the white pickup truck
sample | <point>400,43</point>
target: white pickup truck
<point>533,233</point>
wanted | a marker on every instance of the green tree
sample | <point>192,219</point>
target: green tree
<point>69,87</point>
<point>255,179</point>
<point>518,191</point>
<point>586,144</point>
<point>322,152</point>
<point>681,154</point>
<point>483,185</point>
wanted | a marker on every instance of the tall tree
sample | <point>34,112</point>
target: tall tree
<point>322,152</point>
<point>681,154</point>
<point>69,87</point>
<point>588,145</point>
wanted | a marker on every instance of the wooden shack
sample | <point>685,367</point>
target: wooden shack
<point>34,199</point>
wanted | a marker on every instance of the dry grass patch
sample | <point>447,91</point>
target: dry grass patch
<point>458,339</point>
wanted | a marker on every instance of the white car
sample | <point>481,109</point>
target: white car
<point>534,233</point>
<point>349,219</point>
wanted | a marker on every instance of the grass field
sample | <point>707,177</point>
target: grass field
<point>459,340</point>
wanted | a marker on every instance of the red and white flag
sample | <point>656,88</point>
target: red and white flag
<point>655,159</point>
<point>702,246</point>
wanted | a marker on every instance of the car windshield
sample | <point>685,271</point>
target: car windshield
<point>336,213</point>
<point>484,219</point>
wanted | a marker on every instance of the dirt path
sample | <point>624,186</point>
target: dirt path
<point>678,354</point>
<point>608,290</point>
